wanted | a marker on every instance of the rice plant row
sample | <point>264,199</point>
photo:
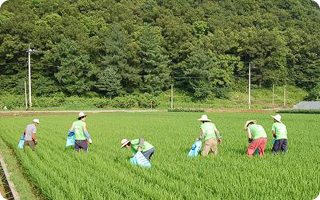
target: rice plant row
<point>105,172</point>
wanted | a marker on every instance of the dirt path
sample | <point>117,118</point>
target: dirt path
<point>59,112</point>
<point>241,111</point>
<point>32,113</point>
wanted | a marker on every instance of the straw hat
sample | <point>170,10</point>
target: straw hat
<point>204,118</point>
<point>248,122</point>
<point>81,114</point>
<point>277,118</point>
<point>36,121</point>
<point>124,142</point>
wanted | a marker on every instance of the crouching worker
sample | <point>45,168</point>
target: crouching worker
<point>210,134</point>
<point>82,136</point>
<point>279,132</point>
<point>257,137</point>
<point>30,135</point>
<point>139,145</point>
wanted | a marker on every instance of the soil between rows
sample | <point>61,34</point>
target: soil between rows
<point>33,113</point>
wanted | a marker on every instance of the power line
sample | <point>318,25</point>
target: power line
<point>14,63</point>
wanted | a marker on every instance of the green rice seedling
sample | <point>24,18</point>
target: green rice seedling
<point>106,173</point>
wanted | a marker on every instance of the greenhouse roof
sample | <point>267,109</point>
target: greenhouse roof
<point>307,105</point>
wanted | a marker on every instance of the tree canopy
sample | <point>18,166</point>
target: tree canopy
<point>112,47</point>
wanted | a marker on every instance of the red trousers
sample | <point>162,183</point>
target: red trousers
<point>259,144</point>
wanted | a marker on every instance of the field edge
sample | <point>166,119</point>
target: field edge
<point>23,186</point>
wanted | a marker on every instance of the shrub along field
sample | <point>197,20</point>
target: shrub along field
<point>105,172</point>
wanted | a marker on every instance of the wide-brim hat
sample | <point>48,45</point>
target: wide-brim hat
<point>277,118</point>
<point>124,142</point>
<point>82,114</point>
<point>204,118</point>
<point>36,121</point>
<point>249,122</point>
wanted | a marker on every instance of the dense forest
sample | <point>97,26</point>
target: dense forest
<point>118,47</point>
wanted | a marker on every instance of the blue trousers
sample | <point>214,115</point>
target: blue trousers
<point>148,153</point>
<point>280,145</point>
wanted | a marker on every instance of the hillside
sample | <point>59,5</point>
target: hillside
<point>114,48</point>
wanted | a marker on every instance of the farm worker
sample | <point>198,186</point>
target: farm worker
<point>209,133</point>
<point>30,135</point>
<point>257,137</point>
<point>139,145</point>
<point>279,132</point>
<point>82,135</point>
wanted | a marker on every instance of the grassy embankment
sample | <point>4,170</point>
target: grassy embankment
<point>260,99</point>
<point>17,174</point>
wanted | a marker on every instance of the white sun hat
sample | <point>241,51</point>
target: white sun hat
<point>82,114</point>
<point>248,122</point>
<point>124,142</point>
<point>204,118</point>
<point>277,117</point>
<point>36,121</point>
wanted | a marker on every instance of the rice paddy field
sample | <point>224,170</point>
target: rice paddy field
<point>106,173</point>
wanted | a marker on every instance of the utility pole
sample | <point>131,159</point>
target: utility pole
<point>249,86</point>
<point>273,95</point>
<point>171,96</point>
<point>29,75</point>
<point>29,72</point>
<point>25,94</point>
<point>284,96</point>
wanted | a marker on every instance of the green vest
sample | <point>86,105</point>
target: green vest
<point>257,131</point>
<point>78,130</point>
<point>208,130</point>
<point>280,129</point>
<point>135,144</point>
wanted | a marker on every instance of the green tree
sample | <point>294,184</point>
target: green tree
<point>109,82</point>
<point>118,54</point>
<point>267,52</point>
<point>153,60</point>
<point>152,44</point>
<point>303,59</point>
<point>75,72</point>
<point>208,73</point>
